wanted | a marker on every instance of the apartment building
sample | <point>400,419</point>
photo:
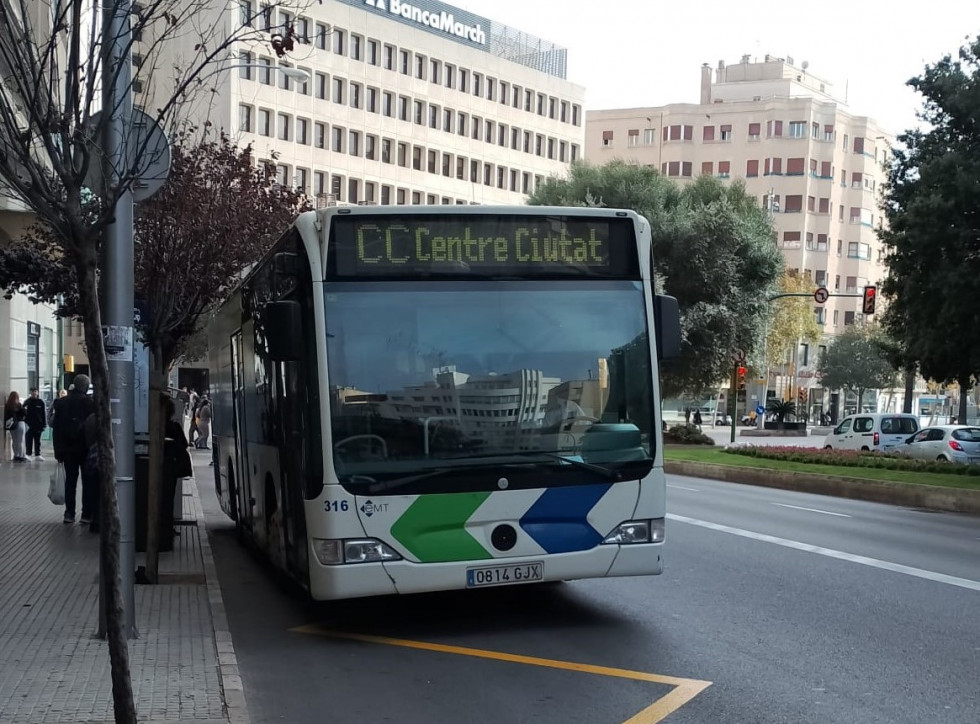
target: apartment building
<point>818,169</point>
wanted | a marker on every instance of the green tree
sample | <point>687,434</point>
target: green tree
<point>713,249</point>
<point>932,206</point>
<point>792,319</point>
<point>856,361</point>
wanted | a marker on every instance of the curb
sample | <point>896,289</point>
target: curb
<point>232,688</point>
<point>928,497</point>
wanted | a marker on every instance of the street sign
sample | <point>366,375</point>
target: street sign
<point>738,356</point>
<point>821,295</point>
<point>760,410</point>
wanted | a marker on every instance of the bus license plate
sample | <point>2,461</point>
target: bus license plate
<point>504,575</point>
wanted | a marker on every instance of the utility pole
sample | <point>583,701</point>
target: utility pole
<point>117,292</point>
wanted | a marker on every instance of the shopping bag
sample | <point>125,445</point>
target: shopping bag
<point>56,489</point>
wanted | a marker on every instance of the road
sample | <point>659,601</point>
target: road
<point>795,607</point>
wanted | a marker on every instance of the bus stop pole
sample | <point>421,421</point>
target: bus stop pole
<point>118,296</point>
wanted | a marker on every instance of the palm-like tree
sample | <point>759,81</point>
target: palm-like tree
<point>781,409</point>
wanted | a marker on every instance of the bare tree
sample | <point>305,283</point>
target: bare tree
<point>55,70</point>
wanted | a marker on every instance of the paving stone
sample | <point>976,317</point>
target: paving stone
<point>53,667</point>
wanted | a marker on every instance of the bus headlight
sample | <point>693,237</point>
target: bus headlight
<point>336,551</point>
<point>637,531</point>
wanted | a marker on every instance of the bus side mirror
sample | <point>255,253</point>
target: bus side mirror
<point>667,326</point>
<point>283,326</point>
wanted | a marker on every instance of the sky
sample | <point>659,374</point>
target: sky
<point>634,53</point>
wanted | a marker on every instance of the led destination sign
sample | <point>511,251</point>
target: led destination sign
<point>398,246</point>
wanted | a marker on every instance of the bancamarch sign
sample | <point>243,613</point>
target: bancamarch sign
<point>441,20</point>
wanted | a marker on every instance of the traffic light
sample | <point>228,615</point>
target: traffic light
<point>740,377</point>
<point>868,306</point>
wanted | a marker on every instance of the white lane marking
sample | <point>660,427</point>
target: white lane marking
<point>831,553</point>
<point>681,487</point>
<point>812,510</point>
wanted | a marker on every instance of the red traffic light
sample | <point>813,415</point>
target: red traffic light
<point>868,305</point>
<point>741,371</point>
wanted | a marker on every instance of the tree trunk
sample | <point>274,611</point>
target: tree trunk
<point>158,379</point>
<point>122,689</point>
<point>964,397</point>
<point>860,400</point>
<point>909,389</point>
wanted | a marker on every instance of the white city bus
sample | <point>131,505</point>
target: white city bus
<point>415,399</point>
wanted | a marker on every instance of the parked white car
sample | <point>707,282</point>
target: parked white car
<point>879,431</point>
<point>946,443</point>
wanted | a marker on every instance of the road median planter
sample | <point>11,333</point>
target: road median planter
<point>929,497</point>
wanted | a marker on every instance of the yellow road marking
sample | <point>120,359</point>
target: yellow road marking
<point>684,689</point>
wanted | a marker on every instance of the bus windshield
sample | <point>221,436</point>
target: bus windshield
<point>450,376</point>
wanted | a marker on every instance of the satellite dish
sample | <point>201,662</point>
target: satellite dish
<point>805,64</point>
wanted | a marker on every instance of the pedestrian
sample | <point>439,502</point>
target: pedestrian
<point>61,393</point>
<point>697,418</point>
<point>13,422</point>
<point>204,423</point>
<point>34,416</point>
<point>687,415</point>
<point>194,401</point>
<point>68,427</point>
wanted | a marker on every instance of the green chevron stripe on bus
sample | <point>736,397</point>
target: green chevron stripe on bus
<point>432,529</point>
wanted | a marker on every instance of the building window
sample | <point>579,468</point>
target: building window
<point>419,114</point>
<point>403,155</point>
<point>724,169</point>
<point>337,139</point>
<point>450,76</point>
<point>607,139</point>
<point>371,103</point>
<point>320,135</point>
<point>370,146</point>
<point>433,116</point>
<point>707,168</point>
<point>302,131</point>
<point>754,130</point>
<point>797,129</point>
<point>824,206</point>
<point>338,89</point>
<point>633,137</point>
<point>354,143</point>
<point>858,145</point>
<point>791,240</point>
<point>320,86</point>
<point>387,103</point>
<point>284,122</point>
<point>403,108</point>
<point>321,36</point>
<point>373,56</point>
<point>265,71</point>
<point>355,95</point>
<point>795,166</point>
<point>338,41</point>
<point>389,57</point>
<point>447,120</point>
<point>356,46</point>
<point>301,179</point>
<point>848,318</point>
<point>420,67</point>
<point>726,133</point>
<point>774,129</point>
<point>245,118</point>
<point>708,133</point>
<point>751,168</point>
<point>245,71</point>
<point>417,158</point>
<point>794,204</point>
<point>404,62</point>
<point>434,67</point>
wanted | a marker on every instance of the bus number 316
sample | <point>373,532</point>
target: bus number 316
<point>336,506</point>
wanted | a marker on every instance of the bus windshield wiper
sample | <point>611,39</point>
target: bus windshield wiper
<point>380,486</point>
<point>608,473</point>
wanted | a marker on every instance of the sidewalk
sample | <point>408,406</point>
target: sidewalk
<point>53,668</point>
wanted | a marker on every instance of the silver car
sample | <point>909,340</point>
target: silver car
<point>946,443</point>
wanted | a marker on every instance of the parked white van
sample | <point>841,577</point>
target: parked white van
<point>881,431</point>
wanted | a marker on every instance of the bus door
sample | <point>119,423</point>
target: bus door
<point>242,489</point>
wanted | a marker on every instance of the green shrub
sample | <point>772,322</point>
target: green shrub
<point>686,435</point>
<point>852,458</point>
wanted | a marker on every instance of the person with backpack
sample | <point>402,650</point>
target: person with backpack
<point>70,449</point>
